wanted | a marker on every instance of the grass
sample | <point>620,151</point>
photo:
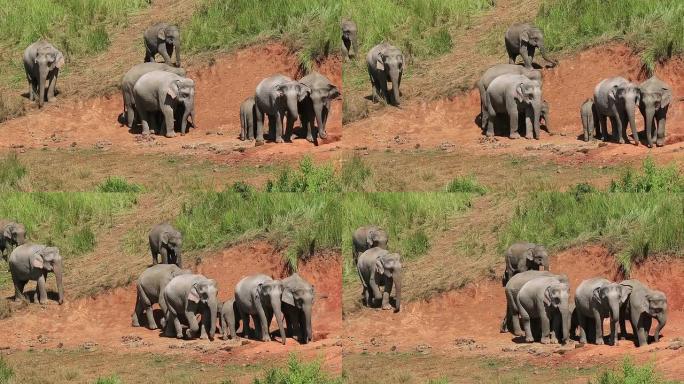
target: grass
<point>308,177</point>
<point>113,379</point>
<point>630,373</point>
<point>466,184</point>
<point>117,184</point>
<point>310,28</point>
<point>297,372</point>
<point>11,172</point>
<point>653,27</point>
<point>6,372</point>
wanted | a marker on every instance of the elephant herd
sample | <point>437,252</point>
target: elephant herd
<point>541,296</point>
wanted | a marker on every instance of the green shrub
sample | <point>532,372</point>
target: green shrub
<point>466,184</point>
<point>307,178</point>
<point>6,372</point>
<point>114,379</point>
<point>652,179</point>
<point>354,174</point>
<point>630,373</point>
<point>117,184</point>
<point>297,372</point>
<point>11,171</point>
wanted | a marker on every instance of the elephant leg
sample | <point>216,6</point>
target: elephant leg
<point>168,120</point>
<point>40,288</point>
<point>545,326</point>
<point>386,294</point>
<point>660,134</point>
<point>259,127</point>
<point>374,87</point>
<point>375,293</point>
<point>19,290</point>
<point>513,123</point>
<point>245,325</point>
<point>647,321</point>
<point>177,326</point>
<point>279,127</point>
<point>193,326</point>
<point>556,328</point>
<point>51,87</point>
<point>623,325</point>
<point>145,123</point>
<point>603,126</point>
<point>290,127</point>
<point>137,312</point>
<point>525,320</point>
<point>205,324</point>
<point>590,128</point>
<point>619,124</point>
<point>582,321</point>
<point>31,92</point>
<point>527,58</point>
<point>528,125</point>
<point>598,324</point>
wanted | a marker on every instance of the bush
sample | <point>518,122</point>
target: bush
<point>6,372</point>
<point>117,184</point>
<point>630,373</point>
<point>652,179</point>
<point>114,379</point>
<point>11,171</point>
<point>354,174</point>
<point>307,178</point>
<point>297,372</point>
<point>466,184</point>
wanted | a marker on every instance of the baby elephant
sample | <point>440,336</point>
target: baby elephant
<point>33,262</point>
<point>589,120</point>
<point>522,257</point>
<point>641,307</point>
<point>546,299</point>
<point>597,299</point>
<point>377,268</point>
<point>187,296</point>
<point>12,234</point>
<point>166,241</point>
<point>248,119</point>
<point>385,64</point>
<point>162,39</point>
<point>229,318</point>
<point>150,286</point>
<point>367,237</point>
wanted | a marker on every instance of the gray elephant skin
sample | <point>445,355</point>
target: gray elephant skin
<point>316,106</point>
<point>523,39</point>
<point>349,39</point>
<point>511,321</point>
<point>248,119</point>
<point>367,237</point>
<point>167,242</point>
<point>298,299</point>
<point>521,257</point>
<point>617,99</point>
<point>164,93</point>
<point>546,299</point>
<point>656,97</point>
<point>589,118</point>
<point>229,319</point>
<point>150,287</point>
<point>377,268</point>
<point>278,97</point>
<point>512,95</point>
<point>42,62</point>
<point>385,64</point>
<point>12,234</point>
<point>162,39</point>
<point>131,77</point>
<point>259,296</point>
<point>34,262</point>
<point>496,71</point>
<point>642,306</point>
<point>595,300</point>
<point>186,296</point>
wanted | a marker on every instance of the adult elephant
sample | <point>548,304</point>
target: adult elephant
<point>166,241</point>
<point>656,96</point>
<point>162,39</point>
<point>259,296</point>
<point>597,299</point>
<point>229,319</point>
<point>186,296</point>
<point>316,106</point>
<point>641,307</point>
<point>496,71</point>
<point>367,237</point>
<point>166,93</point>
<point>617,99</point>
<point>378,267</point>
<point>247,119</point>
<point>131,77</point>
<point>42,62</point>
<point>510,321</point>
<point>521,257</point>
<point>523,39</point>
<point>546,299</point>
<point>34,262</point>
<point>298,298</point>
<point>12,234</point>
<point>385,64</point>
<point>150,288</point>
<point>514,94</point>
<point>349,39</point>
<point>278,96</point>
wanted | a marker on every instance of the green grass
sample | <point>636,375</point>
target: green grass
<point>11,172</point>
<point>653,27</point>
<point>652,178</point>
<point>6,372</point>
<point>114,379</point>
<point>117,184</point>
<point>297,372</point>
<point>310,28</point>
<point>466,184</point>
<point>308,177</point>
<point>630,373</point>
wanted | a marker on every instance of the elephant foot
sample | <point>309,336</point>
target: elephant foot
<point>545,340</point>
<point>621,141</point>
<point>265,339</point>
<point>529,137</point>
<point>529,339</point>
<point>309,138</point>
<point>514,136</point>
<point>323,135</point>
<point>182,133</point>
<point>660,143</point>
<point>135,324</point>
<point>279,140</point>
<point>599,341</point>
<point>649,145</point>
<point>170,134</point>
<point>52,99</point>
<point>489,134</point>
<point>152,327</point>
<point>386,307</point>
<point>518,333</point>
<point>259,143</point>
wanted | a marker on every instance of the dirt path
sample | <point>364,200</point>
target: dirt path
<point>104,321</point>
<point>467,321</point>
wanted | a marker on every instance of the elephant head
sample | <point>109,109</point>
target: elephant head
<point>289,94</point>
<point>173,241</point>
<point>530,94</point>
<point>205,293</point>
<point>183,92</point>
<point>392,61</point>
<point>300,294</point>
<point>389,266</point>
<point>271,293</point>
<point>612,296</point>
<point>537,258</point>
<point>48,259</point>
<point>556,298</point>
<point>655,96</point>
<point>320,98</point>
<point>376,237</point>
<point>657,308</point>
<point>171,37</point>
<point>534,38</point>
<point>47,59</point>
<point>14,233</point>
<point>349,37</point>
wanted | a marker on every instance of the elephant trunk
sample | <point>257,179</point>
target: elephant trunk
<point>292,107</point>
<point>59,271</point>
<point>542,50</point>
<point>649,112</point>
<point>565,324</point>
<point>42,80</point>
<point>179,260</point>
<point>396,277</point>
<point>394,78</point>
<point>536,112</point>
<point>630,107</point>
<point>545,265</point>
<point>308,330</point>
<point>213,308</point>
<point>318,110</point>
<point>177,48</point>
<point>188,106</point>
<point>662,319</point>
<point>277,311</point>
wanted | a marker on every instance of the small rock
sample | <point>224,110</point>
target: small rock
<point>220,133</point>
<point>416,146</point>
<point>563,134</point>
<point>394,348</point>
<point>423,348</point>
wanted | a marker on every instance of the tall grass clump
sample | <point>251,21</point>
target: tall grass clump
<point>308,177</point>
<point>298,372</point>
<point>6,372</point>
<point>115,184</point>
<point>466,184</point>
<point>630,373</point>
<point>310,28</point>
<point>114,379</point>
<point>652,178</point>
<point>11,172</point>
<point>653,27</point>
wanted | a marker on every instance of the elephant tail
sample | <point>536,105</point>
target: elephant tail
<point>142,296</point>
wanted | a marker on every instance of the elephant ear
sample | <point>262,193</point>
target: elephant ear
<point>369,238</point>
<point>596,295</point>
<point>333,92</point>
<point>161,34</point>
<point>7,231</point>
<point>547,296</point>
<point>379,267</point>
<point>525,36</point>
<point>380,63</point>
<point>280,90</point>
<point>37,261</point>
<point>520,92</point>
<point>193,295</point>
<point>624,294</point>
<point>613,92</point>
<point>529,254</point>
<point>288,297</point>
<point>667,97</point>
<point>164,237</point>
<point>303,92</point>
<point>173,89</point>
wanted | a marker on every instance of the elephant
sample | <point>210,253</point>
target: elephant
<point>523,39</point>
<point>545,298</point>
<point>33,262</point>
<point>42,62</point>
<point>522,257</point>
<point>641,307</point>
<point>617,98</point>
<point>259,296</point>
<point>278,96</point>
<point>367,237</point>
<point>297,303</point>
<point>656,97</point>
<point>150,287</point>
<point>596,299</point>
<point>186,296</point>
<point>589,118</point>
<point>378,267</point>
<point>512,287</point>
<point>316,105</point>
<point>247,119</point>
<point>162,39</point>
<point>131,77</point>
<point>166,93</point>
<point>513,94</point>
<point>349,39</point>
<point>166,241</point>
<point>12,234</point>
<point>385,64</point>
<point>496,71</point>
<point>544,114</point>
<point>229,318</point>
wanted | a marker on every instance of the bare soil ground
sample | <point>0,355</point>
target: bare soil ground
<point>466,322</point>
